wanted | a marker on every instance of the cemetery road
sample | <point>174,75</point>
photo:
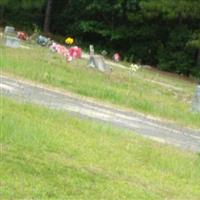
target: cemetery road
<point>162,132</point>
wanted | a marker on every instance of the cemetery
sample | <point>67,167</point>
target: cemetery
<point>73,74</point>
<point>71,56</point>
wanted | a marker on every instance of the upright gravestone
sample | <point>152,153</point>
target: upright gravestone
<point>196,100</point>
<point>10,37</point>
<point>97,61</point>
<point>91,50</point>
<point>10,31</point>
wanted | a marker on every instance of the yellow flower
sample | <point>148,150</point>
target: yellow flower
<point>69,40</point>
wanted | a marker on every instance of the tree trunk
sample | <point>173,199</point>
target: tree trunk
<point>124,9</point>
<point>2,8</point>
<point>47,18</point>
<point>198,57</point>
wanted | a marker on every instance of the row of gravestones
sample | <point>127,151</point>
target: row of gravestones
<point>95,61</point>
<point>11,40</point>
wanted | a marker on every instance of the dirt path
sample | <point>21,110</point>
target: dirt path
<point>147,127</point>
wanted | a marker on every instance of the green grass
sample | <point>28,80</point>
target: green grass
<point>148,91</point>
<point>47,154</point>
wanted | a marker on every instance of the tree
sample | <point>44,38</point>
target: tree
<point>25,5</point>
<point>162,33</point>
<point>47,17</point>
<point>2,9</point>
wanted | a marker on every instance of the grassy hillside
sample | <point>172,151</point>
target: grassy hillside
<point>147,91</point>
<point>49,155</point>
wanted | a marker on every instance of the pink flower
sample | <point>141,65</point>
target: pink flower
<point>116,57</point>
<point>75,52</point>
<point>70,54</point>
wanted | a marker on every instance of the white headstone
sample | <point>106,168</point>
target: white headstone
<point>91,50</point>
<point>196,100</point>
<point>9,30</point>
<point>10,36</point>
<point>97,61</point>
<point>12,42</point>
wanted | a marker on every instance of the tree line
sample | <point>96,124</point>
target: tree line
<point>161,33</point>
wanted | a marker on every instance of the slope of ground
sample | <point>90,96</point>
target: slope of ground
<point>146,91</point>
<point>49,155</point>
<point>168,133</point>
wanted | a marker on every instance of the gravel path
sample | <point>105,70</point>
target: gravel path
<point>156,130</point>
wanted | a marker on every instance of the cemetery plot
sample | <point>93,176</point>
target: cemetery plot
<point>127,88</point>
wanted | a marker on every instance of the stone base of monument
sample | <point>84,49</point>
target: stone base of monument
<point>12,42</point>
<point>97,61</point>
<point>196,100</point>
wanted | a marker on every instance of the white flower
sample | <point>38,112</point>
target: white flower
<point>134,67</point>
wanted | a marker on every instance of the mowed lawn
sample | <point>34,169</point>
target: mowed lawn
<point>47,154</point>
<point>147,91</point>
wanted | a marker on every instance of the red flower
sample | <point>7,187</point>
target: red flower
<point>22,35</point>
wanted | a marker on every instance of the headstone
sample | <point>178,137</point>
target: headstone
<point>97,61</point>
<point>12,42</point>
<point>91,50</point>
<point>196,100</point>
<point>10,37</point>
<point>9,30</point>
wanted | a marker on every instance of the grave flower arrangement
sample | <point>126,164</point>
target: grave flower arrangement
<point>44,41</point>
<point>75,52</point>
<point>69,40</point>
<point>116,57</point>
<point>22,35</point>
<point>70,54</point>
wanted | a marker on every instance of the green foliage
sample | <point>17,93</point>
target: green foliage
<point>17,4</point>
<point>172,9</point>
<point>163,33</point>
<point>3,2</point>
<point>195,40</point>
<point>176,56</point>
